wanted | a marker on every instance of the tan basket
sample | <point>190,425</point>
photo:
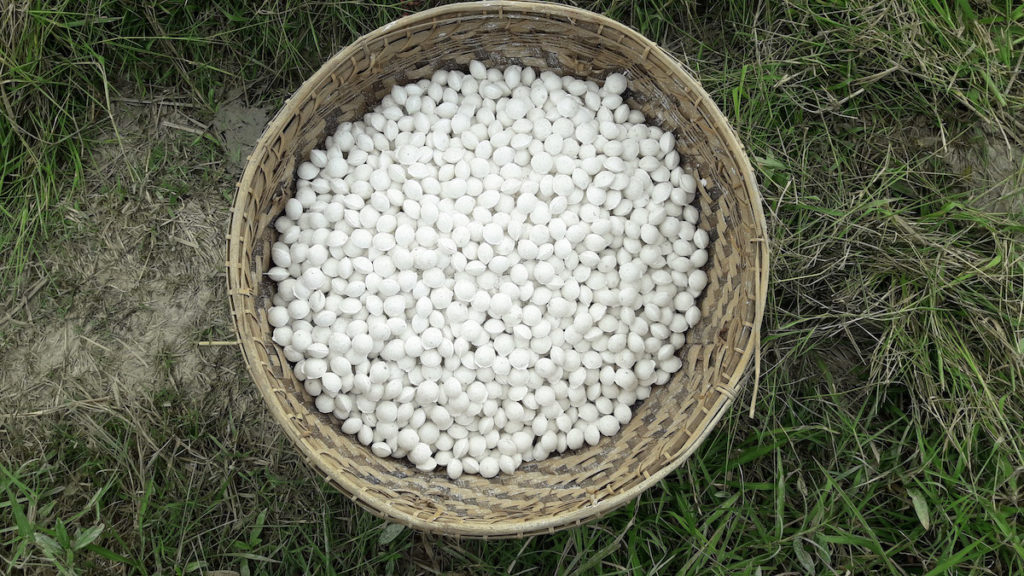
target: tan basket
<point>577,486</point>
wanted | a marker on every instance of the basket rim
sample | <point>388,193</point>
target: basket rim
<point>548,523</point>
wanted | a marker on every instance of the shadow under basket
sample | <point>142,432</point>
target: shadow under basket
<point>573,487</point>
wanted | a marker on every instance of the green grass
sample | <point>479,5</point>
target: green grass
<point>886,436</point>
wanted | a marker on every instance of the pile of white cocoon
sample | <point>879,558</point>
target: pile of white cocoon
<point>488,268</point>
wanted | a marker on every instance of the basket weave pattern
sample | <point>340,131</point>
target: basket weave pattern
<point>666,428</point>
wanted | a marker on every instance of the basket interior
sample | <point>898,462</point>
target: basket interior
<point>575,486</point>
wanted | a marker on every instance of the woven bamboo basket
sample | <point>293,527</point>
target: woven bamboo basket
<point>566,489</point>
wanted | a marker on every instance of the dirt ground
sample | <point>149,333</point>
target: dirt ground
<point>133,303</point>
<point>991,165</point>
<point>996,169</point>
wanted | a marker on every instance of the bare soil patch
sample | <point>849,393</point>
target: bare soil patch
<point>991,164</point>
<point>133,302</point>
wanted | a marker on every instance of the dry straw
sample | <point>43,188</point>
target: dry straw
<point>574,487</point>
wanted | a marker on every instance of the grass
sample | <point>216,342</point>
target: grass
<point>886,436</point>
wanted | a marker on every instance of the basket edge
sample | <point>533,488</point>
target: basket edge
<point>583,515</point>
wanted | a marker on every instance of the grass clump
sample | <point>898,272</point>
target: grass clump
<point>49,99</point>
